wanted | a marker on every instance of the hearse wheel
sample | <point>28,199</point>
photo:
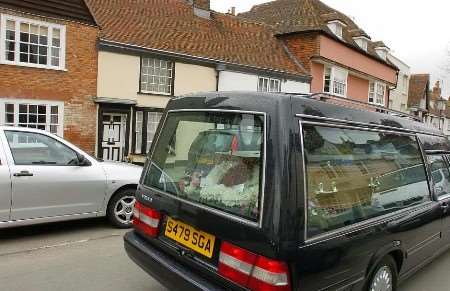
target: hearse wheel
<point>120,208</point>
<point>384,276</point>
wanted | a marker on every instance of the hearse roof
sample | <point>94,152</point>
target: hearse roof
<point>304,106</point>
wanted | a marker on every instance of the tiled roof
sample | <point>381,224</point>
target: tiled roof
<point>66,9</point>
<point>170,25</point>
<point>293,16</point>
<point>418,88</point>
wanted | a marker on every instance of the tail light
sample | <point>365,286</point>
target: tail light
<point>253,271</point>
<point>146,219</point>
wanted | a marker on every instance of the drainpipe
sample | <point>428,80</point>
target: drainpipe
<point>219,68</point>
<point>393,88</point>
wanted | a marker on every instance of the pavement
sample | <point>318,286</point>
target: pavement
<point>88,255</point>
<point>433,277</point>
<point>83,255</point>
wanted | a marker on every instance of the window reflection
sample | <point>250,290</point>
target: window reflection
<point>353,175</point>
<point>440,175</point>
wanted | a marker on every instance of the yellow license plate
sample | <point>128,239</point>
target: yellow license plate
<point>199,241</point>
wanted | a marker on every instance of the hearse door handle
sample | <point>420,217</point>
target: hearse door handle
<point>23,174</point>
<point>445,206</point>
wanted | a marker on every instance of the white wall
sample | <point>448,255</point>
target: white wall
<point>399,96</point>
<point>193,78</point>
<point>295,87</point>
<point>235,81</point>
<point>118,77</point>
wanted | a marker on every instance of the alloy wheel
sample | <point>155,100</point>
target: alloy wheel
<point>123,210</point>
<point>382,281</point>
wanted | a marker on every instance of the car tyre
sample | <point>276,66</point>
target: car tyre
<point>120,208</point>
<point>384,277</point>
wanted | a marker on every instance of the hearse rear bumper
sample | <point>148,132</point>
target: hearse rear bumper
<point>162,267</point>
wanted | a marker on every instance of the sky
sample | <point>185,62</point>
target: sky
<point>417,33</point>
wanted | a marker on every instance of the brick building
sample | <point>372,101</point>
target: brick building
<point>339,55</point>
<point>48,68</point>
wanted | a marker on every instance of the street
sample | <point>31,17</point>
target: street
<point>89,255</point>
<point>81,255</point>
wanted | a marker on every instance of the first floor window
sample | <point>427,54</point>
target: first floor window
<point>377,93</point>
<point>145,129</point>
<point>269,85</point>
<point>39,115</point>
<point>335,81</point>
<point>32,43</point>
<point>156,76</point>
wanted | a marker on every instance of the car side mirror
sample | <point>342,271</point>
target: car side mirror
<point>82,161</point>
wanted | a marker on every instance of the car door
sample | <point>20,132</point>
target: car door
<point>440,175</point>
<point>47,179</point>
<point>5,185</point>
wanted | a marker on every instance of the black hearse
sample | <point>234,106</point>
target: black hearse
<point>332,197</point>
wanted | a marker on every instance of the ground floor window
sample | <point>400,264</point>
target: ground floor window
<point>33,114</point>
<point>146,123</point>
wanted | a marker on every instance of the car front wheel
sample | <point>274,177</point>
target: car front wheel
<point>120,208</point>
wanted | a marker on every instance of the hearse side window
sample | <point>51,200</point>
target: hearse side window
<point>440,175</point>
<point>354,175</point>
<point>216,161</point>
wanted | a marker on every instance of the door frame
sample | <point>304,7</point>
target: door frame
<point>124,109</point>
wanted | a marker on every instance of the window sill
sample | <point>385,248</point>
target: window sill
<point>334,94</point>
<point>33,66</point>
<point>377,104</point>
<point>154,94</point>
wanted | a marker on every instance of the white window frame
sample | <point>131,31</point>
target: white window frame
<point>376,94</point>
<point>337,27</point>
<point>269,80</point>
<point>333,80</point>
<point>405,83</point>
<point>154,125</point>
<point>50,26</point>
<point>138,131</point>
<point>149,75</point>
<point>362,42</point>
<point>48,104</point>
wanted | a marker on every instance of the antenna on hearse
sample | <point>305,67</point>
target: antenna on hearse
<point>356,104</point>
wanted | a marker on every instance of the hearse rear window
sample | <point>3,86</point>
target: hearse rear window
<point>354,175</point>
<point>211,158</point>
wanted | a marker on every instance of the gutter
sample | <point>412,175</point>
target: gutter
<point>107,44</point>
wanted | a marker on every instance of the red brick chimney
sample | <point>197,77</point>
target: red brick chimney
<point>437,91</point>
<point>202,4</point>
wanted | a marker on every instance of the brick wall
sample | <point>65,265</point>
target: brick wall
<point>304,46</point>
<point>75,87</point>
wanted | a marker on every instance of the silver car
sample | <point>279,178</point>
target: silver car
<point>44,178</point>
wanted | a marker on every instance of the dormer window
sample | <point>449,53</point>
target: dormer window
<point>382,51</point>
<point>362,42</point>
<point>336,27</point>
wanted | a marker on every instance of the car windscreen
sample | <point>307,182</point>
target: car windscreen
<point>211,158</point>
